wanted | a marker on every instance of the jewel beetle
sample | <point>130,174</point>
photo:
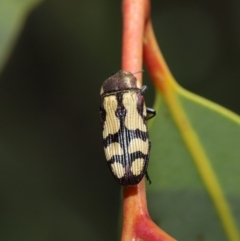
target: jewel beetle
<point>125,136</point>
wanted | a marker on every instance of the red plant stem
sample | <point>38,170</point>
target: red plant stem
<point>134,207</point>
<point>134,15</point>
<point>134,12</point>
<point>137,224</point>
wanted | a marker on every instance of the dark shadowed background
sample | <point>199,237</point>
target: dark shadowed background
<point>54,182</point>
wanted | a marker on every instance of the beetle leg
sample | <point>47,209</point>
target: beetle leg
<point>148,178</point>
<point>150,113</point>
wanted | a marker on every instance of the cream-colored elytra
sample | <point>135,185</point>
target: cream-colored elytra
<point>138,144</point>
<point>137,166</point>
<point>118,169</point>
<point>112,150</point>
<point>112,123</point>
<point>133,120</point>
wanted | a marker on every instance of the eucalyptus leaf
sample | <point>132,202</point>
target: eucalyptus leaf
<point>13,14</point>
<point>180,200</point>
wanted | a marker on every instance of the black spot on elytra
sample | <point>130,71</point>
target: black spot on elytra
<point>102,113</point>
<point>121,110</point>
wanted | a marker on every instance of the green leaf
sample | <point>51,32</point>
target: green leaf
<point>195,200</point>
<point>13,14</point>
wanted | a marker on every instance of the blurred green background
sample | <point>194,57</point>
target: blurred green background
<point>54,182</point>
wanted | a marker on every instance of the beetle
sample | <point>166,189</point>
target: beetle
<point>125,136</point>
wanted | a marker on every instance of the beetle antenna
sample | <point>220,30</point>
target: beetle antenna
<point>144,88</point>
<point>140,71</point>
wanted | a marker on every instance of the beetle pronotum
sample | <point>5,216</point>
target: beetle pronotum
<point>125,136</point>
